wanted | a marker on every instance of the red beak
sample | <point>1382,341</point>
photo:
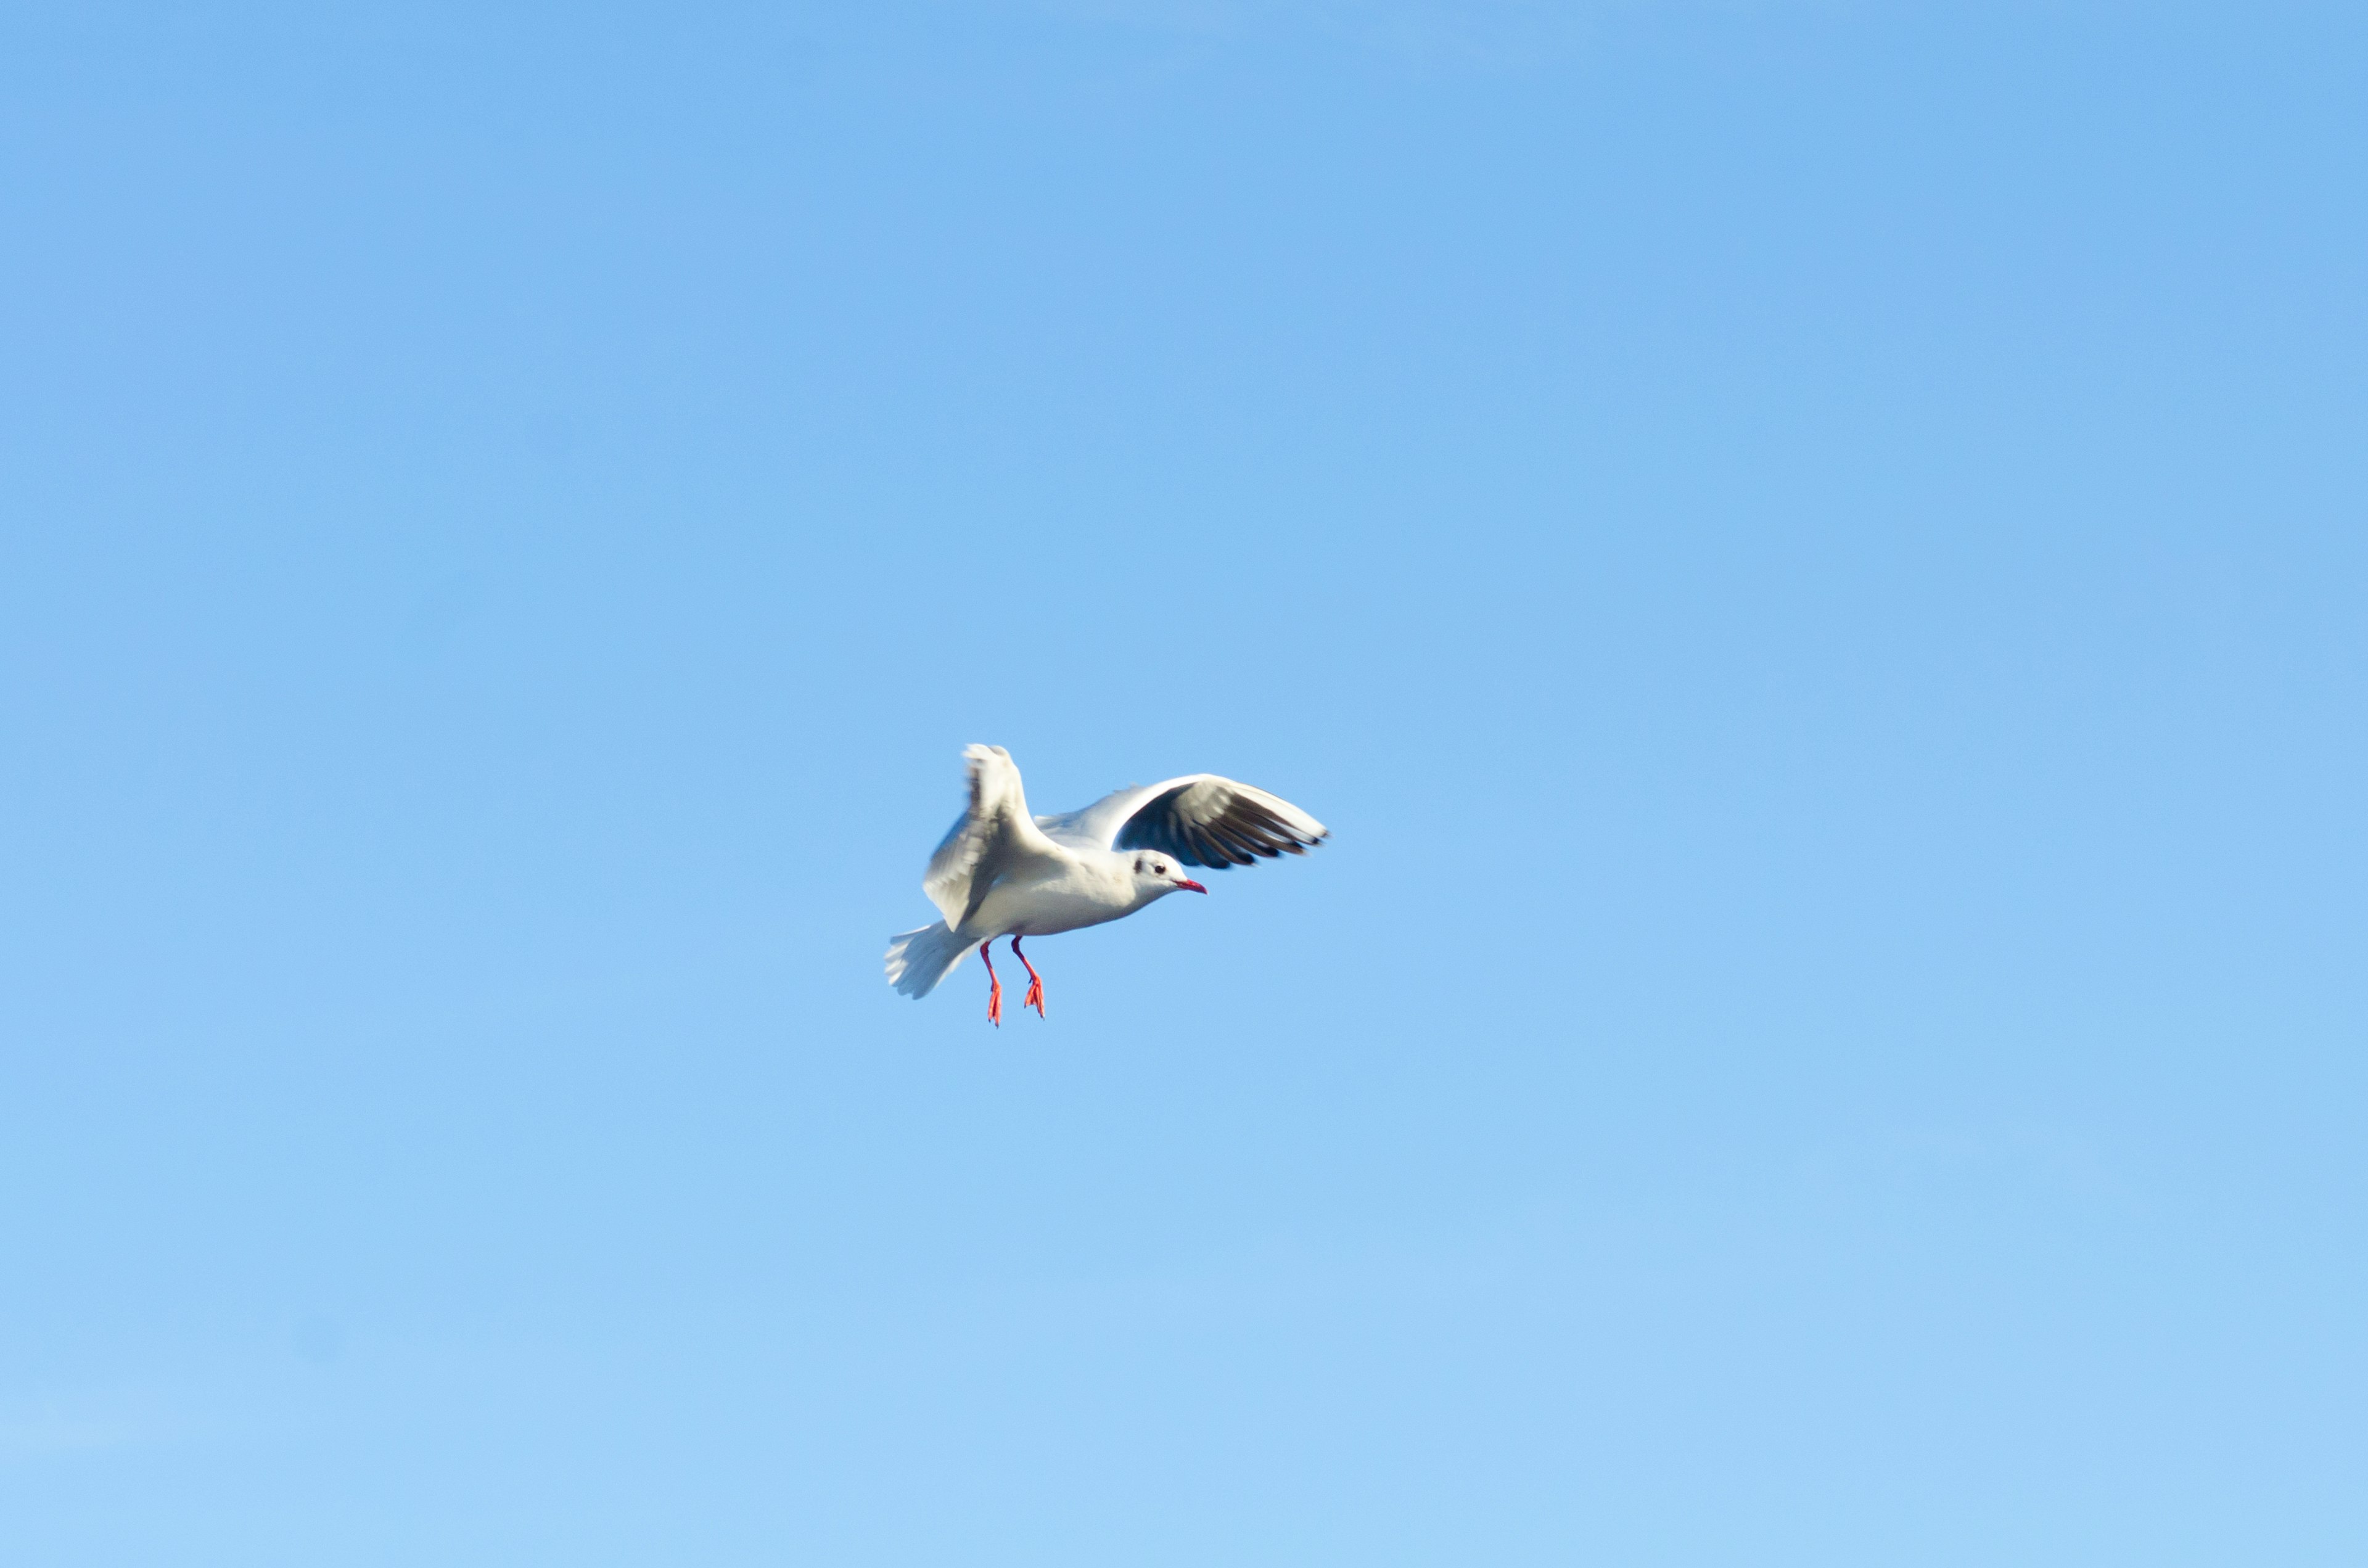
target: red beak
<point>1189,882</point>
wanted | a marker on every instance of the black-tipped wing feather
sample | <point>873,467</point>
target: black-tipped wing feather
<point>1216,822</point>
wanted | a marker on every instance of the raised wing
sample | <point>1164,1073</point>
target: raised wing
<point>989,840</point>
<point>1202,820</point>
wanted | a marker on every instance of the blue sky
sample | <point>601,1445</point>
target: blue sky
<point>1811,555</point>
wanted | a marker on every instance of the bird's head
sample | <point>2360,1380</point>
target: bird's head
<point>1157,875</point>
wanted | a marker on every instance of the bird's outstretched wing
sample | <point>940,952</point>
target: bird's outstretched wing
<point>988,841</point>
<point>1203,819</point>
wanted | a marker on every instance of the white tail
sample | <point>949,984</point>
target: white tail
<point>918,960</point>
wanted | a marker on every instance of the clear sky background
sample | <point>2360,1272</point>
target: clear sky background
<point>1812,556</point>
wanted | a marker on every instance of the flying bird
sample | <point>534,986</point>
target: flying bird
<point>1000,872</point>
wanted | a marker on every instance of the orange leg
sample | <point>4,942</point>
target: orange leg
<point>995,995</point>
<point>1035,997</point>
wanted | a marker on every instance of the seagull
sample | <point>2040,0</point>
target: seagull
<point>1000,872</point>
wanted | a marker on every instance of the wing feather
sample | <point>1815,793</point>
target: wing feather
<point>992,836</point>
<point>1203,819</point>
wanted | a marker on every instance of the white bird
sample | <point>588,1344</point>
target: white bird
<point>1000,872</point>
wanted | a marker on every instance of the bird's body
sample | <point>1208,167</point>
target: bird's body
<point>1065,892</point>
<point>1000,872</point>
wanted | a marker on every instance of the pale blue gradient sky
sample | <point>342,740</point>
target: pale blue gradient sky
<point>1811,555</point>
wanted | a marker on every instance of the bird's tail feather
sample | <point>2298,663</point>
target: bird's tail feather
<point>918,960</point>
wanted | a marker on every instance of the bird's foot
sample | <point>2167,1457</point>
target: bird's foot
<point>1035,997</point>
<point>995,1005</point>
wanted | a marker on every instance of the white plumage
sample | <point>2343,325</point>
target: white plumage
<point>1000,872</point>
